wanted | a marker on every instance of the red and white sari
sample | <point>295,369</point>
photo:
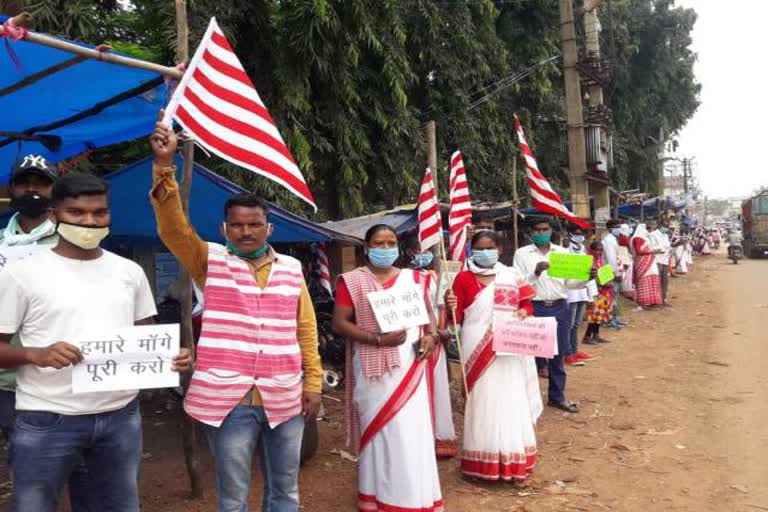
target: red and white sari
<point>504,398</point>
<point>646,272</point>
<point>397,468</point>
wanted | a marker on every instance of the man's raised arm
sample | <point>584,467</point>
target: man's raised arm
<point>172,225</point>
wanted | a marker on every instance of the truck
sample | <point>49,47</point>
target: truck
<point>754,220</point>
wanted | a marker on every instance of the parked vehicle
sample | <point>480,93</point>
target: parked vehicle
<point>754,219</point>
<point>736,253</point>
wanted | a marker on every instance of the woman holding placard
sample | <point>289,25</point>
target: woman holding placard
<point>387,396</point>
<point>504,400</point>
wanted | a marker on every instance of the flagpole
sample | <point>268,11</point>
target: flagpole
<point>514,201</point>
<point>189,427</point>
<point>432,159</point>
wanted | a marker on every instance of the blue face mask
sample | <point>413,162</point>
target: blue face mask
<point>485,258</point>
<point>579,239</point>
<point>422,259</point>
<point>664,230</point>
<point>383,258</point>
<point>615,231</point>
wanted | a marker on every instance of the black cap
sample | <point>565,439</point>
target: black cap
<point>35,165</point>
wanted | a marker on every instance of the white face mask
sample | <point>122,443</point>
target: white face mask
<point>85,237</point>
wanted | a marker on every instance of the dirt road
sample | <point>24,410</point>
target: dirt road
<point>673,418</point>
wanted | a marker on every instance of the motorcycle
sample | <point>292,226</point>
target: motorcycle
<point>735,253</point>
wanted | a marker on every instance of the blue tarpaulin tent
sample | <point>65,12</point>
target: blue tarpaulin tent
<point>133,219</point>
<point>67,104</point>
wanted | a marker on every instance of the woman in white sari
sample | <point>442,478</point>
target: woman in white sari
<point>504,399</point>
<point>389,418</point>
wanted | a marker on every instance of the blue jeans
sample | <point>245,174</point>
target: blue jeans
<point>48,447</point>
<point>556,365</point>
<point>577,310</point>
<point>233,444</point>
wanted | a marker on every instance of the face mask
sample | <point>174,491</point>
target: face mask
<point>579,239</point>
<point>664,230</point>
<point>615,231</point>
<point>422,259</point>
<point>541,238</point>
<point>383,258</point>
<point>485,257</point>
<point>85,237</point>
<point>258,253</point>
<point>30,204</point>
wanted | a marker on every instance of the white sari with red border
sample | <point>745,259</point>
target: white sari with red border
<point>397,464</point>
<point>504,399</point>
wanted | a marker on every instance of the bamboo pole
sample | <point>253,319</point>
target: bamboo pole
<point>92,53</point>
<point>514,202</point>
<point>432,159</point>
<point>189,428</point>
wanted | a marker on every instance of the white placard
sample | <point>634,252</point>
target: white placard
<point>132,358</point>
<point>450,269</point>
<point>446,281</point>
<point>11,253</point>
<point>399,308</point>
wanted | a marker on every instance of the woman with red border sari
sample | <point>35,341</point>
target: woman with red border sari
<point>504,400</point>
<point>389,419</point>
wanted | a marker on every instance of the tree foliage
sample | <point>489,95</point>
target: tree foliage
<point>351,84</point>
<point>654,89</point>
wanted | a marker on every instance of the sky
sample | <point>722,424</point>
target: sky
<point>727,135</point>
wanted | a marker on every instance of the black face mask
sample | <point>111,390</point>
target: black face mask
<point>30,204</point>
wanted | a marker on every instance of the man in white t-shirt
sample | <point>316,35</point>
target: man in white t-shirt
<point>55,296</point>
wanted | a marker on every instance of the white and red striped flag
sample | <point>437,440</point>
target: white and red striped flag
<point>543,198</point>
<point>460,213</point>
<point>322,267</point>
<point>430,223</point>
<point>217,104</point>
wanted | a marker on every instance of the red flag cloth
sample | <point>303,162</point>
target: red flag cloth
<point>460,213</point>
<point>430,223</point>
<point>217,104</point>
<point>543,198</point>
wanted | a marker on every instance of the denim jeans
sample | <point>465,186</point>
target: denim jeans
<point>233,444</point>
<point>48,447</point>
<point>556,365</point>
<point>577,310</point>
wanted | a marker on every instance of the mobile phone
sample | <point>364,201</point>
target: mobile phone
<point>417,347</point>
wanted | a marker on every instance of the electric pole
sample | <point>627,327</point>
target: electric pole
<point>577,153</point>
<point>685,176</point>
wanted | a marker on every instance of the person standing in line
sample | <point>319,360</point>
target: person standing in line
<point>599,311</point>
<point>387,391</point>
<point>258,333</point>
<point>532,261</point>
<point>445,433</point>
<point>30,227</point>
<point>659,237</point>
<point>504,400</point>
<point>646,273</point>
<point>63,294</point>
<point>611,246</point>
<point>577,304</point>
<point>29,230</point>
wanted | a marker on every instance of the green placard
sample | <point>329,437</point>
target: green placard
<point>570,266</point>
<point>605,275</point>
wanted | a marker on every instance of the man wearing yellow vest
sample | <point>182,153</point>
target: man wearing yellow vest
<point>259,335</point>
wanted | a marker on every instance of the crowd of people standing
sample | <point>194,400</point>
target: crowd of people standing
<point>257,375</point>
